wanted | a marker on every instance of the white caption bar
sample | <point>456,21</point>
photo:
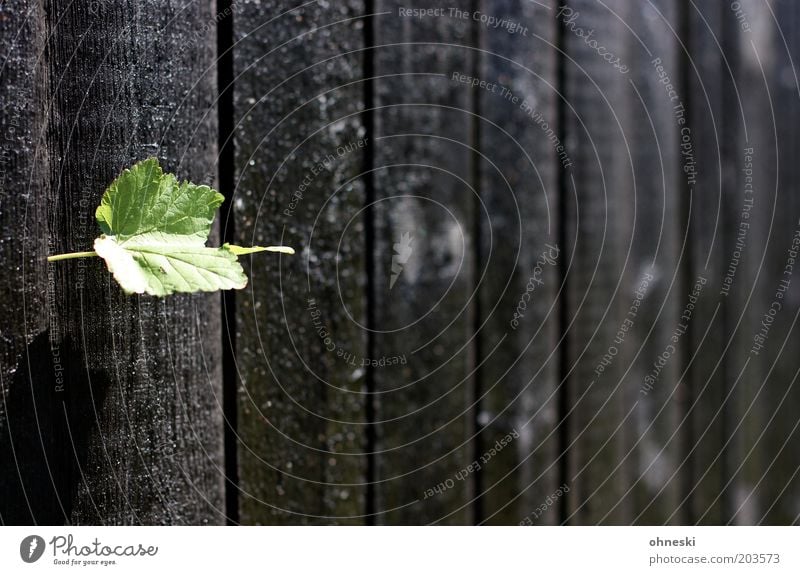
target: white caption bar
<point>400,550</point>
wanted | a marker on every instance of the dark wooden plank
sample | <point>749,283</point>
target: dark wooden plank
<point>599,226</point>
<point>424,201</point>
<point>763,461</point>
<point>740,467</point>
<point>142,375</point>
<point>520,188</point>
<point>25,448</point>
<point>751,245</point>
<point>653,295</point>
<point>777,488</point>
<point>300,344</point>
<point>709,405</point>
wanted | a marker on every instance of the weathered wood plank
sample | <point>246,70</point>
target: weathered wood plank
<point>777,488</point>
<point>424,265</point>
<point>25,447</point>
<point>763,463</point>
<point>300,344</point>
<point>142,375</point>
<point>599,220</point>
<point>653,295</point>
<point>747,134</point>
<point>518,382</point>
<point>707,402</point>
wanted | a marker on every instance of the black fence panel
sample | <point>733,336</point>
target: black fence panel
<point>544,271</point>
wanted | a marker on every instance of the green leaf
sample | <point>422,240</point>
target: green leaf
<point>144,199</point>
<point>161,265</point>
<point>154,235</point>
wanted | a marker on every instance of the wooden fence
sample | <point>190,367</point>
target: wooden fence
<point>545,268</point>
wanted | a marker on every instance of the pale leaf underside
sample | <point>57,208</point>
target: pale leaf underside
<point>155,231</point>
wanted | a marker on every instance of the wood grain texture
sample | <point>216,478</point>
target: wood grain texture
<point>750,245</point>
<point>762,459</point>
<point>499,230</point>
<point>708,405</point>
<point>520,189</point>
<point>24,344</point>
<point>137,426</point>
<point>777,486</point>
<point>426,190</point>
<point>599,220</point>
<point>654,295</point>
<point>300,341</point>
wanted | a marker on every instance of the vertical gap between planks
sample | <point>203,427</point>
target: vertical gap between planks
<point>369,259</point>
<point>225,76</point>
<point>477,239</point>
<point>687,435</point>
<point>728,139</point>
<point>563,266</point>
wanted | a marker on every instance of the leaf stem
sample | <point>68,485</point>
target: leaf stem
<point>73,256</point>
